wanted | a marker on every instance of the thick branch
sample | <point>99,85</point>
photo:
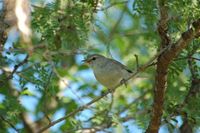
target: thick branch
<point>140,69</point>
<point>4,26</point>
<point>161,76</point>
<point>186,127</point>
<point>162,24</point>
<point>194,90</point>
<point>27,123</point>
<point>81,108</point>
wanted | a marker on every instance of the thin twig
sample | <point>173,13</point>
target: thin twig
<point>49,58</point>
<point>15,70</point>
<point>28,68</point>
<point>134,101</point>
<point>9,123</point>
<point>114,28</point>
<point>46,98</point>
<point>137,62</point>
<point>17,66</point>
<point>183,58</point>
<point>104,126</point>
<point>81,108</point>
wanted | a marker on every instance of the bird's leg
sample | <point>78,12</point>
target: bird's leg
<point>123,81</point>
<point>111,90</point>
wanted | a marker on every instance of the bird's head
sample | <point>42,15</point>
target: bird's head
<point>94,59</point>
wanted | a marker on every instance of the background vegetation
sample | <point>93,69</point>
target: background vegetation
<point>44,86</point>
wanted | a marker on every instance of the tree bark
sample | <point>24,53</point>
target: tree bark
<point>161,74</point>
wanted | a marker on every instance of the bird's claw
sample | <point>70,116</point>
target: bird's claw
<point>123,81</point>
<point>111,91</point>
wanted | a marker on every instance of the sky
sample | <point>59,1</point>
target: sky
<point>31,102</point>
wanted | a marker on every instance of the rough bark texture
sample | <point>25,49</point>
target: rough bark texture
<point>186,127</point>
<point>193,92</point>
<point>163,62</point>
<point>3,28</point>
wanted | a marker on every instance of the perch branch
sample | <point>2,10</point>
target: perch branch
<point>161,77</point>
<point>81,108</point>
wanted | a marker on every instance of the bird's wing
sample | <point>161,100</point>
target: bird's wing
<point>121,65</point>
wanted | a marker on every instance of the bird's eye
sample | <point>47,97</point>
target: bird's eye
<point>94,58</point>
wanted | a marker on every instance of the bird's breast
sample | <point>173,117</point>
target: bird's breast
<point>108,77</point>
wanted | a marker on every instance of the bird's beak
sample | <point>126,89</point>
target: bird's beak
<point>86,61</point>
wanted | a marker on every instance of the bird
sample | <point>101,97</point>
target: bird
<point>107,71</point>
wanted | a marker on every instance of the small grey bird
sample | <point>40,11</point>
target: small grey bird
<point>107,71</point>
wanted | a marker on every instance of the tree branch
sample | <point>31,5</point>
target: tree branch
<point>164,52</point>
<point>3,25</point>
<point>162,24</point>
<point>9,123</point>
<point>81,108</point>
<point>27,123</point>
<point>134,101</point>
<point>107,124</point>
<point>161,77</point>
<point>183,58</point>
<point>193,92</point>
<point>17,66</point>
<point>4,80</point>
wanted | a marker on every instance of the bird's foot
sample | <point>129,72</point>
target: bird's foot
<point>111,91</point>
<point>123,82</point>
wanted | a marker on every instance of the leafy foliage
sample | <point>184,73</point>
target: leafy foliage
<point>53,82</point>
